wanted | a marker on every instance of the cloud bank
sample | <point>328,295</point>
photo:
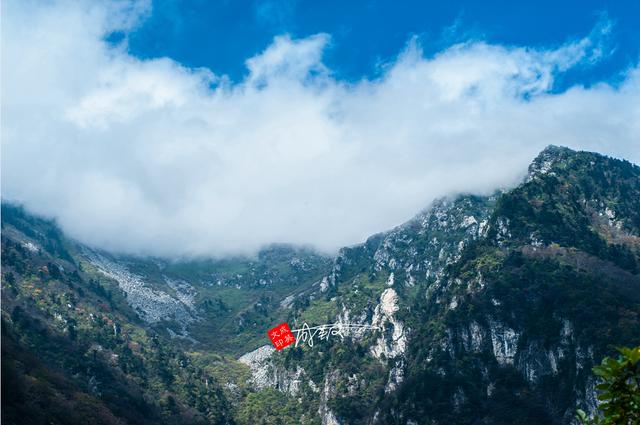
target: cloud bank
<point>151,157</point>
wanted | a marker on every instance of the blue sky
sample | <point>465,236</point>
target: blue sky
<point>215,128</point>
<point>220,35</point>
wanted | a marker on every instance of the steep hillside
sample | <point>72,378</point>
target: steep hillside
<point>493,310</point>
<point>73,351</point>
<point>516,324</point>
<point>94,337</point>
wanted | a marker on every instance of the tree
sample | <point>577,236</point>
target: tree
<point>9,278</point>
<point>619,391</point>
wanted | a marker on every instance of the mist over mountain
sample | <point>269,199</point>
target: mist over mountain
<point>487,309</point>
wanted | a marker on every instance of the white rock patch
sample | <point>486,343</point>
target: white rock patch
<point>152,305</point>
<point>504,341</point>
<point>394,343</point>
<point>259,361</point>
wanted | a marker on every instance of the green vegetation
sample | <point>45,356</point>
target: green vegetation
<point>271,407</point>
<point>508,301</point>
<point>619,390</point>
<point>319,312</point>
<point>73,352</point>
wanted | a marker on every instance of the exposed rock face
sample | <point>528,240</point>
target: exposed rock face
<point>473,337</point>
<point>152,305</point>
<point>445,227</point>
<point>185,293</point>
<point>328,392</point>
<point>393,341</point>
<point>286,303</point>
<point>324,284</point>
<point>262,371</point>
<point>591,397</point>
<point>30,246</point>
<point>328,418</point>
<point>396,376</point>
<point>264,374</point>
<point>566,332</point>
<point>292,383</point>
<point>536,362</point>
<point>504,341</point>
<point>543,163</point>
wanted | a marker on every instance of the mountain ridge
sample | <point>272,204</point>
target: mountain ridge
<point>482,318</point>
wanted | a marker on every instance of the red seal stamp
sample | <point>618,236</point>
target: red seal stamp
<point>281,336</point>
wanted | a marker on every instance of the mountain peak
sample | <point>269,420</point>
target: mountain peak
<point>556,150</point>
<point>545,160</point>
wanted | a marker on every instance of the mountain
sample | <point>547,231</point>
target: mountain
<point>92,337</point>
<point>488,309</point>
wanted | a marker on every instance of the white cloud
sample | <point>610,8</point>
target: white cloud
<point>148,156</point>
